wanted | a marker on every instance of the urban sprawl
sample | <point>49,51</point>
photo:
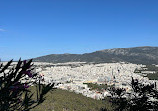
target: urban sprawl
<point>75,76</point>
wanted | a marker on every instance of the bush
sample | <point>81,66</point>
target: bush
<point>142,98</point>
<point>14,83</point>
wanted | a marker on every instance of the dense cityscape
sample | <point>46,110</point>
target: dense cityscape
<point>75,76</point>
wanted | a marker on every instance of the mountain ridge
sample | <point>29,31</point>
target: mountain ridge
<point>137,55</point>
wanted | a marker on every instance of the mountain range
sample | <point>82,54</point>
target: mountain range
<point>137,55</point>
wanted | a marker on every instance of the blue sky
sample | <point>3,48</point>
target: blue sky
<point>31,28</point>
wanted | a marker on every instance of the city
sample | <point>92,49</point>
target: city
<point>74,76</point>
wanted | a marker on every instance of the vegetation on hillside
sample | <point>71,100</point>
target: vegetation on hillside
<point>151,76</point>
<point>62,100</point>
<point>137,55</point>
<point>98,87</point>
<point>16,94</point>
<point>144,97</point>
<point>14,84</point>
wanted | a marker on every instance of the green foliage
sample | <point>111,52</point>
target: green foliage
<point>137,55</point>
<point>59,100</point>
<point>152,68</point>
<point>153,76</point>
<point>14,83</point>
<point>95,86</point>
<point>142,98</point>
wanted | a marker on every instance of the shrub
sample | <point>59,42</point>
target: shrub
<point>14,83</point>
<point>141,98</point>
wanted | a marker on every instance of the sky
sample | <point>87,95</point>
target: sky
<point>32,28</point>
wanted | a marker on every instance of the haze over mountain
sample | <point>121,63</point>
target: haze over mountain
<point>138,55</point>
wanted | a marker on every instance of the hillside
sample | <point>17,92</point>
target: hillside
<point>137,55</point>
<point>62,100</point>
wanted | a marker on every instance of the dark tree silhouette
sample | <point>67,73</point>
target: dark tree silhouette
<point>141,98</point>
<point>14,86</point>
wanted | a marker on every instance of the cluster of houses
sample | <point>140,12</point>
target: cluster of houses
<point>72,78</point>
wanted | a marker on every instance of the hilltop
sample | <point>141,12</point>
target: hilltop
<point>137,55</point>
